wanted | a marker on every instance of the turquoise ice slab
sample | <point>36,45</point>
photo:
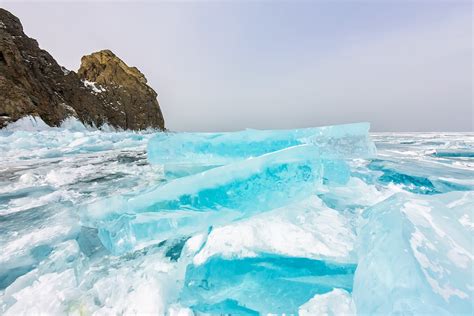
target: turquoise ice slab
<point>423,177</point>
<point>454,153</point>
<point>264,284</point>
<point>181,151</point>
<point>131,231</point>
<point>221,194</point>
<point>415,256</point>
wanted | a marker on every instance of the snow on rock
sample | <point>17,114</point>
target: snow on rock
<point>95,87</point>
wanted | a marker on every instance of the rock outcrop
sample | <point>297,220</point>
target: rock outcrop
<point>105,90</point>
<point>122,88</point>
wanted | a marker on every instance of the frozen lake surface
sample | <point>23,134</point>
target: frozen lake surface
<point>395,236</point>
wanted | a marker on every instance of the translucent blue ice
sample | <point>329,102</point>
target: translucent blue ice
<point>261,285</point>
<point>186,150</point>
<point>236,190</point>
<point>256,171</point>
<point>423,177</point>
<point>415,256</point>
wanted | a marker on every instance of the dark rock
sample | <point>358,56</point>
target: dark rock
<point>106,90</point>
<point>123,88</point>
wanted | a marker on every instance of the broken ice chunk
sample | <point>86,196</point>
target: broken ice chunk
<point>178,151</point>
<point>264,284</point>
<point>136,231</point>
<point>428,268</point>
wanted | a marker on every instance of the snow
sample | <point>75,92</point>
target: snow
<point>305,229</point>
<point>336,302</point>
<point>94,86</point>
<point>65,71</point>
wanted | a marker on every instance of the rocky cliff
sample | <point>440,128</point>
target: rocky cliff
<point>105,89</point>
<point>122,88</point>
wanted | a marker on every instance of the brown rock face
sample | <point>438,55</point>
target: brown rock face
<point>123,88</point>
<point>32,83</point>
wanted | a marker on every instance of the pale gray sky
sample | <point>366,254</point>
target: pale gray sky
<point>401,65</point>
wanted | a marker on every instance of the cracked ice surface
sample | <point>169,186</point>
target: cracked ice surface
<point>387,234</point>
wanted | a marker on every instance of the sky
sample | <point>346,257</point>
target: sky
<point>228,65</point>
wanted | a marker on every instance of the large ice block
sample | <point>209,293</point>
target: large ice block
<point>236,190</point>
<point>260,285</point>
<point>186,150</point>
<point>256,171</point>
<point>415,256</point>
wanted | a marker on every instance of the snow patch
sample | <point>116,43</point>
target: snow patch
<point>306,229</point>
<point>94,86</point>
<point>65,71</point>
<point>336,302</point>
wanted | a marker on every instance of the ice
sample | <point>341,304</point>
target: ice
<point>415,256</point>
<point>256,171</point>
<point>192,204</point>
<point>28,123</point>
<point>30,138</point>
<point>68,283</point>
<point>260,285</point>
<point>27,239</point>
<point>363,236</point>
<point>454,153</point>
<point>187,150</point>
<point>424,177</point>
